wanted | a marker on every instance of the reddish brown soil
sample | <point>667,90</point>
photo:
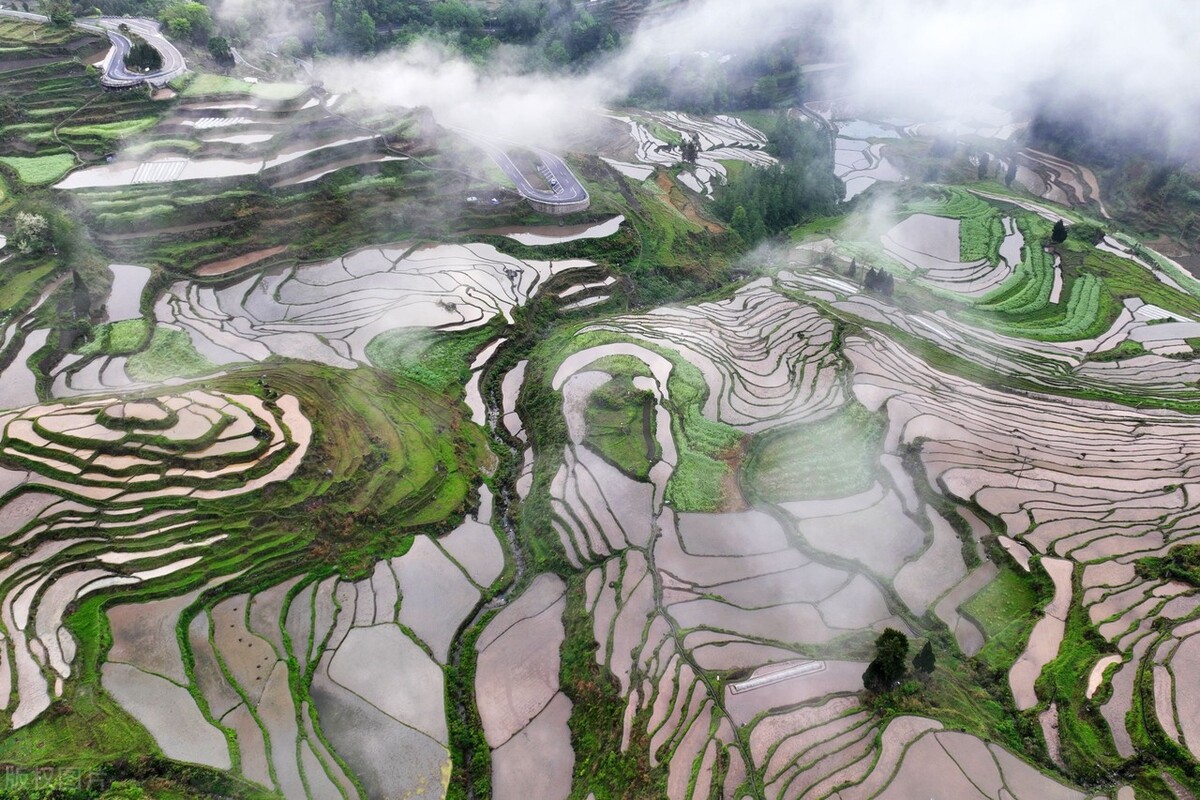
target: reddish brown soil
<point>684,204</point>
<point>233,264</point>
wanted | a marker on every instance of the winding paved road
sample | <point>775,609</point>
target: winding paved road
<point>566,194</point>
<point>116,76</point>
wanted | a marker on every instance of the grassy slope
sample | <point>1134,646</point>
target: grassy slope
<point>833,457</point>
<point>1004,610</point>
<point>170,354</point>
<point>614,419</point>
<point>39,170</point>
<point>388,458</point>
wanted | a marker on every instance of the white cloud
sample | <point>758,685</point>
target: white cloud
<point>1119,61</point>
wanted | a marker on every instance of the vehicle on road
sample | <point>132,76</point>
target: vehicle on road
<point>121,32</point>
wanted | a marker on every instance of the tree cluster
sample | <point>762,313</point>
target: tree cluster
<point>1010,174</point>
<point>690,149</point>
<point>703,83</point>
<point>222,53</point>
<point>554,32</point>
<point>889,666</point>
<point>763,202</point>
<point>142,57</point>
<point>187,20</point>
<point>1059,234</point>
<point>880,281</point>
<point>59,12</point>
<point>31,233</point>
<point>890,662</point>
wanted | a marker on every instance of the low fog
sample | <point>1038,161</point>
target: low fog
<point>1124,65</point>
<point>278,19</point>
<point>499,101</point>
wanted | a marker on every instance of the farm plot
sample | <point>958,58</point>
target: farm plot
<point>675,599</point>
<point>937,763</point>
<point>147,496</point>
<point>1054,488</point>
<point>537,236</point>
<point>65,115</point>
<point>523,711</point>
<point>79,480</point>
<point>285,141</point>
<point>701,591</point>
<point>1058,180</point>
<point>858,158</point>
<point>329,312</point>
<point>766,360</point>
<point>1066,367</point>
<point>657,137</point>
<point>369,690</point>
<point>932,245</point>
<point>861,164</point>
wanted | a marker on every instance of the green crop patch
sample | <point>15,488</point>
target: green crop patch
<point>170,354</point>
<point>438,361</point>
<point>117,338</point>
<point>620,425</point>
<point>833,457</point>
<point>205,84</point>
<point>108,130</point>
<point>39,170</point>
<point>15,288</point>
<point>1004,611</point>
<point>1181,563</point>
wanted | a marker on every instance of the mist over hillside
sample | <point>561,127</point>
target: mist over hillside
<point>599,400</point>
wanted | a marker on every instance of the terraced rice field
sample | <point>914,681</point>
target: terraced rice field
<point>861,162</point>
<point>715,625</point>
<point>361,647</point>
<point>329,312</point>
<point>677,600</point>
<point>656,137</point>
<point>148,494</point>
<point>110,459</point>
<point>253,522</point>
<point>64,112</point>
<point>288,140</point>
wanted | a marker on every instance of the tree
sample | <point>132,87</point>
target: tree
<point>320,27</point>
<point>852,270</point>
<point>985,161</point>
<point>179,28</point>
<point>584,36</point>
<point>690,149</point>
<point>1011,174</point>
<point>31,233</point>
<point>888,666</point>
<point>556,53</point>
<point>519,22</point>
<point>1059,234</point>
<point>59,12</point>
<point>454,15</point>
<point>188,20</point>
<point>221,51</point>
<point>365,32</point>
<point>924,661</point>
<point>887,283</point>
<point>739,223</point>
<point>871,279</point>
<point>291,47</point>
<point>142,57</point>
